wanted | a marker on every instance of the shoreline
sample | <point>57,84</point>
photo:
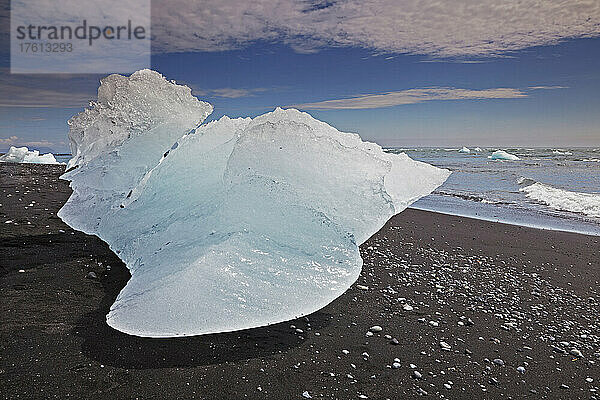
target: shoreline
<point>507,222</point>
<point>524,296</point>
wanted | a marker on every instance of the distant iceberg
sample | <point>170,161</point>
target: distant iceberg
<point>562,152</point>
<point>464,150</point>
<point>560,199</point>
<point>229,225</point>
<point>503,155</point>
<point>478,149</point>
<point>24,155</point>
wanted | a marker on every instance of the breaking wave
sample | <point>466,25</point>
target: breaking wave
<point>560,199</point>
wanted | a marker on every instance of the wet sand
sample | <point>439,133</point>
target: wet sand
<point>466,302</point>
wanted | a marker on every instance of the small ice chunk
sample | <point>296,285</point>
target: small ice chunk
<point>24,155</point>
<point>503,155</point>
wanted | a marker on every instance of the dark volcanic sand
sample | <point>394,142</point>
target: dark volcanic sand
<point>525,291</point>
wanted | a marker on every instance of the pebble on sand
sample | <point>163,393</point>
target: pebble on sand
<point>576,353</point>
<point>445,346</point>
<point>91,275</point>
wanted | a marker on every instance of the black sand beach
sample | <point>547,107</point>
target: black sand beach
<point>462,304</point>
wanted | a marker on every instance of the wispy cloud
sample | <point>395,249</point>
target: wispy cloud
<point>229,93</point>
<point>439,29</point>
<point>47,91</point>
<point>9,140</point>
<point>419,95</point>
<point>41,98</point>
<point>546,87</point>
<point>16,141</point>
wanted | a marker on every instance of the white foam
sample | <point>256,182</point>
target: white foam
<point>563,200</point>
<point>562,152</point>
<point>24,155</point>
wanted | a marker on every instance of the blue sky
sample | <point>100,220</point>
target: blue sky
<point>524,91</point>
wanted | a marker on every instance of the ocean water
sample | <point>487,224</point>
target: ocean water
<point>62,158</point>
<point>547,188</point>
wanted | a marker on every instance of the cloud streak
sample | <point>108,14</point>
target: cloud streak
<point>47,91</point>
<point>441,29</point>
<point>419,95</point>
<point>9,140</point>
<point>16,141</point>
<point>229,93</point>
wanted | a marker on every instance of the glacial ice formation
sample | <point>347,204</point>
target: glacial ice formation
<point>503,155</point>
<point>464,150</point>
<point>24,155</point>
<point>232,224</point>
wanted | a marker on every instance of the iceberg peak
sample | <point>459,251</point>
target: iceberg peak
<point>128,106</point>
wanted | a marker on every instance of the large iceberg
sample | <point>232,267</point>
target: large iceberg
<point>232,224</point>
<point>24,155</point>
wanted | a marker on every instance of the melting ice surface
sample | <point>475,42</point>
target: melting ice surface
<point>24,155</point>
<point>229,225</point>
